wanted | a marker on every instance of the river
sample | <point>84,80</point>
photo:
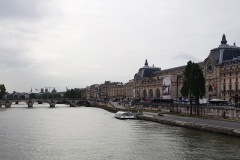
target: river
<point>74,133</point>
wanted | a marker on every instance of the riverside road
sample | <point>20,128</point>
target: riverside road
<point>203,121</point>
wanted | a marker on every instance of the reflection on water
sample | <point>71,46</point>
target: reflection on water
<point>90,133</point>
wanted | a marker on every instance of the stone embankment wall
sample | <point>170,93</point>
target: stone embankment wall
<point>205,127</point>
<point>107,106</point>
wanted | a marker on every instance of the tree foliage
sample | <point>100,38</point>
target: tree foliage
<point>49,95</point>
<point>73,93</point>
<point>193,82</point>
<point>32,96</point>
<point>2,90</point>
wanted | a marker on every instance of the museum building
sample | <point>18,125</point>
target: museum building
<point>221,70</point>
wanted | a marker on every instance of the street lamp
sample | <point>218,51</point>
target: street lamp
<point>177,87</point>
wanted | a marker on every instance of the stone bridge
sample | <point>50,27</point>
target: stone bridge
<point>52,102</point>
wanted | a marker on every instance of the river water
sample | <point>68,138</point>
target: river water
<point>82,133</point>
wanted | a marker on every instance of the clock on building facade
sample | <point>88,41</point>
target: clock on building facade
<point>210,67</point>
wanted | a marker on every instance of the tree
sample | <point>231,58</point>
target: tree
<point>32,96</point>
<point>22,97</point>
<point>2,90</point>
<point>193,84</point>
<point>198,84</point>
<point>73,93</point>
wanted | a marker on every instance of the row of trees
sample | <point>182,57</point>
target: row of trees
<point>44,95</point>
<point>193,84</point>
<point>73,93</point>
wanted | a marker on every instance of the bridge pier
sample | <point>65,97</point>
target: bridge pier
<point>73,104</point>
<point>7,104</point>
<point>52,104</point>
<point>30,104</point>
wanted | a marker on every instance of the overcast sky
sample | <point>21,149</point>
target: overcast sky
<point>76,43</point>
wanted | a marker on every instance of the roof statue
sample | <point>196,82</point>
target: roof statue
<point>146,63</point>
<point>224,41</point>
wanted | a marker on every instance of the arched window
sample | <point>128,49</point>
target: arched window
<point>210,89</point>
<point>144,93</point>
<point>157,93</point>
<point>151,93</point>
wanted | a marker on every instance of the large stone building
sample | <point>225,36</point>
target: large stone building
<point>92,92</point>
<point>221,70</point>
<point>128,90</point>
<point>146,86</point>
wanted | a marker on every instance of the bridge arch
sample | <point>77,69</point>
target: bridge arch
<point>83,103</point>
<point>51,102</point>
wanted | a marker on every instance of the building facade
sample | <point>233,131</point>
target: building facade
<point>221,70</point>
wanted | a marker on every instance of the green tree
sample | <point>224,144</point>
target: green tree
<point>193,84</point>
<point>73,93</point>
<point>44,96</point>
<point>2,90</point>
<point>22,97</point>
<point>50,96</point>
<point>67,94</point>
<point>32,96</point>
<point>198,85</point>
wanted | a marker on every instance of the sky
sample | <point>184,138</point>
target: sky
<point>77,43</point>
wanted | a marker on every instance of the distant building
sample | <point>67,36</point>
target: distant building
<point>92,92</point>
<point>128,90</point>
<point>144,83</point>
<point>54,90</point>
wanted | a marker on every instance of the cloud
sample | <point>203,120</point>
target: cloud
<point>23,9</point>
<point>13,59</point>
<point>77,43</point>
<point>187,57</point>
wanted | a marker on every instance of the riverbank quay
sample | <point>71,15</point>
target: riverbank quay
<point>204,110</point>
<point>211,125</point>
<point>222,126</point>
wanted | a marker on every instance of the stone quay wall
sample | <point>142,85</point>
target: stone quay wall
<point>204,127</point>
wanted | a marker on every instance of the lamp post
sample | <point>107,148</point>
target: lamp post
<point>177,93</point>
